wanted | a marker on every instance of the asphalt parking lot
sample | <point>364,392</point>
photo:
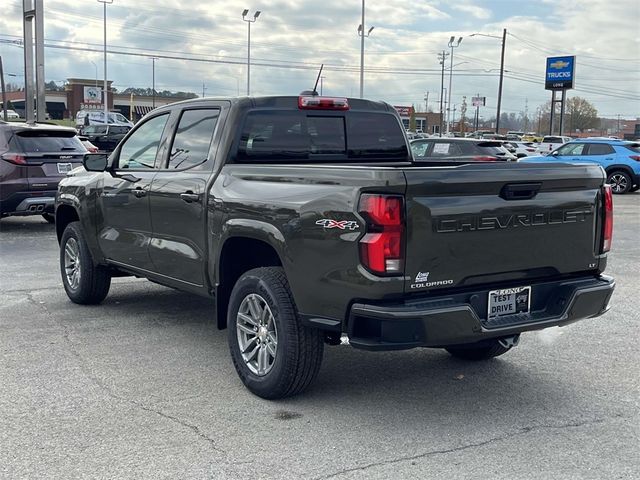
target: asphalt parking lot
<point>142,386</point>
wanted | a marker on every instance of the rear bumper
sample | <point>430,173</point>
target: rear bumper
<point>461,318</point>
<point>29,203</point>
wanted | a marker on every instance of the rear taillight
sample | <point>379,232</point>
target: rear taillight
<point>382,247</point>
<point>314,102</point>
<point>607,230</point>
<point>635,157</point>
<point>480,158</point>
<point>15,158</point>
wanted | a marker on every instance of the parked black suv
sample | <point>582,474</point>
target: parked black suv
<point>459,150</point>
<point>105,137</point>
<point>33,159</point>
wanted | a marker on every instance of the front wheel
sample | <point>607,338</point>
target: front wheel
<point>620,181</point>
<point>273,353</point>
<point>84,282</point>
<point>484,350</point>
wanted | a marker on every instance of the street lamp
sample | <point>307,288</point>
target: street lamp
<point>362,36</point>
<point>249,21</point>
<point>504,41</point>
<point>451,45</point>
<point>106,102</point>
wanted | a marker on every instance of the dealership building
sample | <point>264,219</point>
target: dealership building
<point>86,94</point>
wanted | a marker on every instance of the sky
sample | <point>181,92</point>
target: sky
<point>291,38</point>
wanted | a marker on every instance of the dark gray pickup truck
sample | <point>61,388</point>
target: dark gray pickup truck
<point>306,221</point>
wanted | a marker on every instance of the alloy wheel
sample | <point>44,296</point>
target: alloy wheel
<point>257,334</point>
<point>72,263</point>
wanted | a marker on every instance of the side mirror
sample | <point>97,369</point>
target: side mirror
<point>555,154</point>
<point>95,162</point>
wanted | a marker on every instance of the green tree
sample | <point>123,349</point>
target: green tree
<point>581,114</point>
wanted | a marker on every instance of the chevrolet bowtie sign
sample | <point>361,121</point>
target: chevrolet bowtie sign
<point>559,73</point>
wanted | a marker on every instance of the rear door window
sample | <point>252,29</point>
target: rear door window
<point>301,136</point>
<point>420,149</point>
<point>600,149</point>
<point>48,141</point>
<point>193,138</point>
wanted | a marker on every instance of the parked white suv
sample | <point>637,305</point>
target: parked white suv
<point>551,142</point>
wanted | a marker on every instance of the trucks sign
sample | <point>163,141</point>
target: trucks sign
<point>560,73</point>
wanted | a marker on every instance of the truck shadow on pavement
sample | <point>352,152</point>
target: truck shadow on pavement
<point>419,385</point>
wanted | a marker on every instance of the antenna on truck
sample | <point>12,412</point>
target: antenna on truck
<point>314,91</point>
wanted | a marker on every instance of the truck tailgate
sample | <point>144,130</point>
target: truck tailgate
<point>494,223</point>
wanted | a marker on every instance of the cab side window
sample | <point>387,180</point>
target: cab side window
<point>141,148</point>
<point>420,149</point>
<point>193,138</point>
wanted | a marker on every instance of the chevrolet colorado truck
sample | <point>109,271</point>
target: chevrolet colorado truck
<point>306,221</point>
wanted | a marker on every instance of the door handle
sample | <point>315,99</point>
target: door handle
<point>190,197</point>
<point>139,192</point>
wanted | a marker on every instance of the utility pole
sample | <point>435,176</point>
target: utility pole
<point>28,13</point>
<point>526,115</point>
<point>203,89</point>
<point>40,89</point>
<point>504,41</point>
<point>4,94</point>
<point>442,57</point>
<point>426,102</point>
<point>321,83</point>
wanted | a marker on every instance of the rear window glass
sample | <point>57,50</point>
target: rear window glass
<point>118,130</point>
<point>553,140</point>
<point>48,141</point>
<point>307,136</point>
<point>634,147</point>
<point>600,149</point>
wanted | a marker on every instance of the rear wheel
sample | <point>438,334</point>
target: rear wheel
<point>620,181</point>
<point>49,217</point>
<point>84,282</point>
<point>273,353</point>
<point>485,350</point>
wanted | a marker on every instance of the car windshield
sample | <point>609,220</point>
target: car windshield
<point>48,141</point>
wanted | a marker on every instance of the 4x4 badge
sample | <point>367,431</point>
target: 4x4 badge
<point>341,224</point>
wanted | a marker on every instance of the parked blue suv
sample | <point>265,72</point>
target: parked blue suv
<point>619,158</point>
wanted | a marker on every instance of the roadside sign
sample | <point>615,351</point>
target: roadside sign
<point>404,111</point>
<point>560,73</point>
<point>478,101</point>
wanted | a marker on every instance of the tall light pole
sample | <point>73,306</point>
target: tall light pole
<point>442,57</point>
<point>153,80</point>
<point>105,93</point>
<point>249,22</point>
<point>451,45</point>
<point>96,67</point>
<point>361,29</point>
<point>504,41</point>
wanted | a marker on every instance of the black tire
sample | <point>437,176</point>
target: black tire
<point>485,351</point>
<point>620,181</point>
<point>92,283</point>
<point>634,189</point>
<point>49,217</point>
<point>299,349</point>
